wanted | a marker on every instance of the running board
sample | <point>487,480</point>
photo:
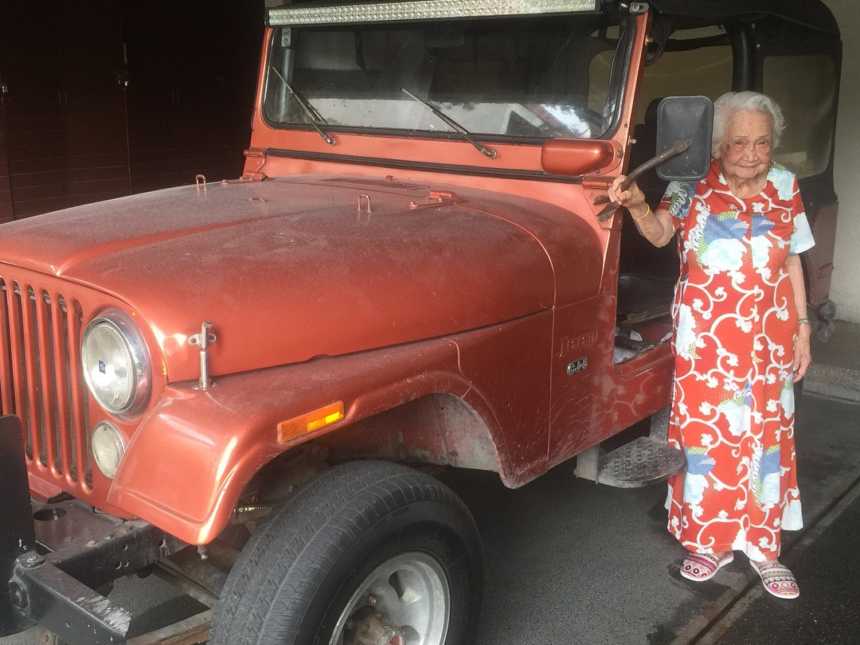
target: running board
<point>643,461</point>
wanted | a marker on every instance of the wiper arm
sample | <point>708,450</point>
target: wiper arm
<point>310,111</point>
<point>484,150</point>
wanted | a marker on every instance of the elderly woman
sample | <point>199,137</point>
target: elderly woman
<point>741,341</point>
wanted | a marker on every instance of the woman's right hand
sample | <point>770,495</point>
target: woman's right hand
<point>632,199</point>
<point>656,228</point>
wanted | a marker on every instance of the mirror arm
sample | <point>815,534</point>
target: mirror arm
<point>677,148</point>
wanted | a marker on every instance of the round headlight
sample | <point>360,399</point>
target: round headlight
<point>108,448</point>
<point>115,362</point>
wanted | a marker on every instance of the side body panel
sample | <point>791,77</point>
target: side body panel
<point>592,398</point>
<point>610,397</point>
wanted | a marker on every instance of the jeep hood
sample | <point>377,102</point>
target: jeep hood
<point>291,269</point>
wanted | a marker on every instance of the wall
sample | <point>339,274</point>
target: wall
<point>845,288</point>
<point>110,97</point>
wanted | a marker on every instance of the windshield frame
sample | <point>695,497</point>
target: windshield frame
<point>617,88</point>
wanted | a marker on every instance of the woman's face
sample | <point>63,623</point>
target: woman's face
<point>746,148</point>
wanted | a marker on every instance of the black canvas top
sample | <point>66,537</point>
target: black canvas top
<point>811,13</point>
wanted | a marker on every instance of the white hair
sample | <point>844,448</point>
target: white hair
<point>731,102</point>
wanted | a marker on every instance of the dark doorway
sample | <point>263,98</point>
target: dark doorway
<point>111,97</point>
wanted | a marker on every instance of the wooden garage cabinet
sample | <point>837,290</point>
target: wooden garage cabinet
<point>111,97</point>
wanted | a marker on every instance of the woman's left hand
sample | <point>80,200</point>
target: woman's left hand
<point>802,352</point>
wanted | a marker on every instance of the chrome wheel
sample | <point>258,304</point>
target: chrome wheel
<point>406,600</point>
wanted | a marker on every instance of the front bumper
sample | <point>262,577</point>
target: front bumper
<point>53,559</point>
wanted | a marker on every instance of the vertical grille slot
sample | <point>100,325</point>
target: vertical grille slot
<point>81,464</point>
<point>32,361</point>
<point>16,358</point>
<point>7,395</point>
<point>44,341</point>
<point>40,377</point>
<point>62,368</point>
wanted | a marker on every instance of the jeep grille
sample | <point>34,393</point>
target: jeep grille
<point>41,381</point>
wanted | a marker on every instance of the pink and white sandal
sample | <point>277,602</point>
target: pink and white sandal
<point>699,567</point>
<point>777,579</point>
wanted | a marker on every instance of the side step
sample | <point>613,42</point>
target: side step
<point>643,461</point>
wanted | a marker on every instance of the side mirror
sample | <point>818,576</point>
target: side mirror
<point>688,119</point>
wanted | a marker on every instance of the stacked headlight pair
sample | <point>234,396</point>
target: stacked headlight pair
<point>118,373</point>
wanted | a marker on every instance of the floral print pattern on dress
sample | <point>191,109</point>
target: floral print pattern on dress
<point>733,398</point>
<point>767,471</point>
<point>721,247</point>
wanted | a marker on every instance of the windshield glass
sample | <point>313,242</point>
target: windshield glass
<point>557,76</point>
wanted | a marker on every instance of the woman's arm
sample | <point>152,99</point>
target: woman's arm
<point>802,352</point>
<point>655,227</point>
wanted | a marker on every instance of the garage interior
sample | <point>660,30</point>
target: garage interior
<point>107,98</point>
<point>113,97</point>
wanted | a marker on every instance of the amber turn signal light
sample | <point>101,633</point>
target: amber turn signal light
<point>310,421</point>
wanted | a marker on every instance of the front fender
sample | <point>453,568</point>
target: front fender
<point>195,451</point>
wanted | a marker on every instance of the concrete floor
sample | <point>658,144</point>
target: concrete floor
<point>828,610</point>
<point>835,369</point>
<point>574,563</point>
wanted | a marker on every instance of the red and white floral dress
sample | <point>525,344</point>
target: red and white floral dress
<point>733,400</point>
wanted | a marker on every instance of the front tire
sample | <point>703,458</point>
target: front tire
<point>367,552</point>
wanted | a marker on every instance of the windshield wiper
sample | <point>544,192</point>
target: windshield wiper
<point>315,118</point>
<point>484,150</point>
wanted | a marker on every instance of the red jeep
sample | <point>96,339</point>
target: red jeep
<point>243,383</point>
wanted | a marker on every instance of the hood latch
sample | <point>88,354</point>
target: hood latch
<point>205,338</point>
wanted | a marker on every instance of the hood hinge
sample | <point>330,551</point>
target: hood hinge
<point>257,173</point>
<point>434,198</point>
